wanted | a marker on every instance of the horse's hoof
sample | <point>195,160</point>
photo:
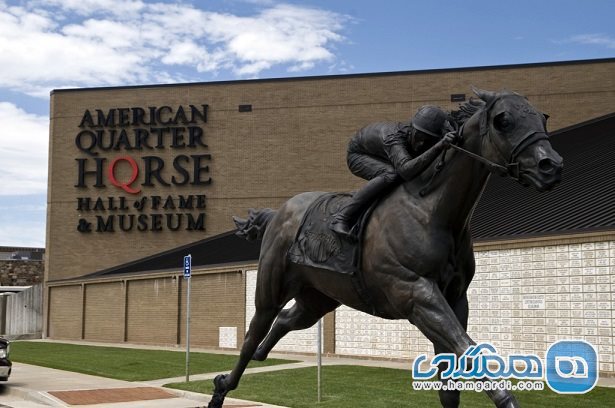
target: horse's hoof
<point>217,399</point>
<point>220,384</point>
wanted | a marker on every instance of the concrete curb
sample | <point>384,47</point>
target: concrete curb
<point>204,399</point>
<point>211,376</point>
<point>39,397</point>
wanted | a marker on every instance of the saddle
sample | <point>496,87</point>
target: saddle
<point>317,246</point>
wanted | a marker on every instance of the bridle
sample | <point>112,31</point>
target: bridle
<point>510,167</point>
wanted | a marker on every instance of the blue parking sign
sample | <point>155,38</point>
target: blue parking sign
<point>187,266</point>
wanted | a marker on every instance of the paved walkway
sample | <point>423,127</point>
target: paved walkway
<point>37,387</point>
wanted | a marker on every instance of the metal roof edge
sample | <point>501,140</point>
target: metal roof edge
<point>158,255</point>
<point>586,233</point>
<point>149,274</point>
<point>582,124</point>
<point>346,76</point>
<point>18,248</point>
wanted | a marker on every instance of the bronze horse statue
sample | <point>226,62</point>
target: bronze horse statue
<point>417,258</point>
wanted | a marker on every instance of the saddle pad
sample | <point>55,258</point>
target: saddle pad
<point>317,246</point>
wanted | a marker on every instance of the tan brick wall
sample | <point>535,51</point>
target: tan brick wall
<point>65,312</point>
<point>152,311</point>
<point>104,312</point>
<point>294,140</point>
<point>217,300</point>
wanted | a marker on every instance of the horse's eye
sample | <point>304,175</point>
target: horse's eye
<point>503,122</point>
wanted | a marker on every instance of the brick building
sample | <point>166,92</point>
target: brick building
<point>140,176</point>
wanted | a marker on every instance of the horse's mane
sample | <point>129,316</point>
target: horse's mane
<point>475,105</point>
<point>466,110</point>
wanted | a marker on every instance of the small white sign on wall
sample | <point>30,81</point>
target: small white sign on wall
<point>227,337</point>
<point>533,301</point>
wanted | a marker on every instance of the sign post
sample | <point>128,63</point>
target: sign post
<point>319,357</point>
<point>187,275</point>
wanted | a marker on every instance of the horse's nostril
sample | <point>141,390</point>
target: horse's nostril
<point>546,165</point>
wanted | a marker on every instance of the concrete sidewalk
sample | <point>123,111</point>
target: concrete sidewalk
<point>35,387</point>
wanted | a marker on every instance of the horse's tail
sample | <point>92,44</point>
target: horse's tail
<point>254,227</point>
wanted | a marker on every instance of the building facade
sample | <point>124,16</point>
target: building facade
<point>138,171</point>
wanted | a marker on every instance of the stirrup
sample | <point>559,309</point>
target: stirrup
<point>339,227</point>
<point>343,230</point>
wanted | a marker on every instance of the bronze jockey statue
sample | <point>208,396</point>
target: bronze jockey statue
<point>385,153</point>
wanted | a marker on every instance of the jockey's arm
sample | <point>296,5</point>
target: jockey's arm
<point>412,168</point>
<point>407,166</point>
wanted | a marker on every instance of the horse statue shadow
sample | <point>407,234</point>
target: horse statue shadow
<point>416,258</point>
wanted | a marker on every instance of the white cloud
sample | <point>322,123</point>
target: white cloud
<point>283,34</point>
<point>186,52</point>
<point>23,151</point>
<point>50,44</point>
<point>23,233</point>
<point>594,39</point>
<point>36,60</point>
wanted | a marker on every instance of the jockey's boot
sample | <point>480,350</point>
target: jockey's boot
<point>341,222</point>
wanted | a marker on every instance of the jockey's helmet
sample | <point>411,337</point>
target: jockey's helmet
<point>429,119</point>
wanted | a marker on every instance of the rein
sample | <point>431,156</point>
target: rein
<point>511,168</point>
<point>493,167</point>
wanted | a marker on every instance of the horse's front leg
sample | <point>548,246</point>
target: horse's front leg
<point>428,310</point>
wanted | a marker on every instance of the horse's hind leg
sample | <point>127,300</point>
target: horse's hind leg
<point>269,301</point>
<point>309,307</point>
<point>259,326</point>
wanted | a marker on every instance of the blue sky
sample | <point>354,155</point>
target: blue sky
<point>50,44</point>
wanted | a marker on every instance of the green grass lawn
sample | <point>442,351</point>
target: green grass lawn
<point>356,386</point>
<point>123,363</point>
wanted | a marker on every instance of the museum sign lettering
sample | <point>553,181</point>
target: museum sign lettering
<point>141,135</point>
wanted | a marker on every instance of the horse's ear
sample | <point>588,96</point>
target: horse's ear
<point>486,96</point>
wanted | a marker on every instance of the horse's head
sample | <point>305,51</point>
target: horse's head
<point>514,135</point>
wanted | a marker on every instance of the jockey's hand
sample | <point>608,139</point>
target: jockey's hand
<point>449,139</point>
<point>448,127</point>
